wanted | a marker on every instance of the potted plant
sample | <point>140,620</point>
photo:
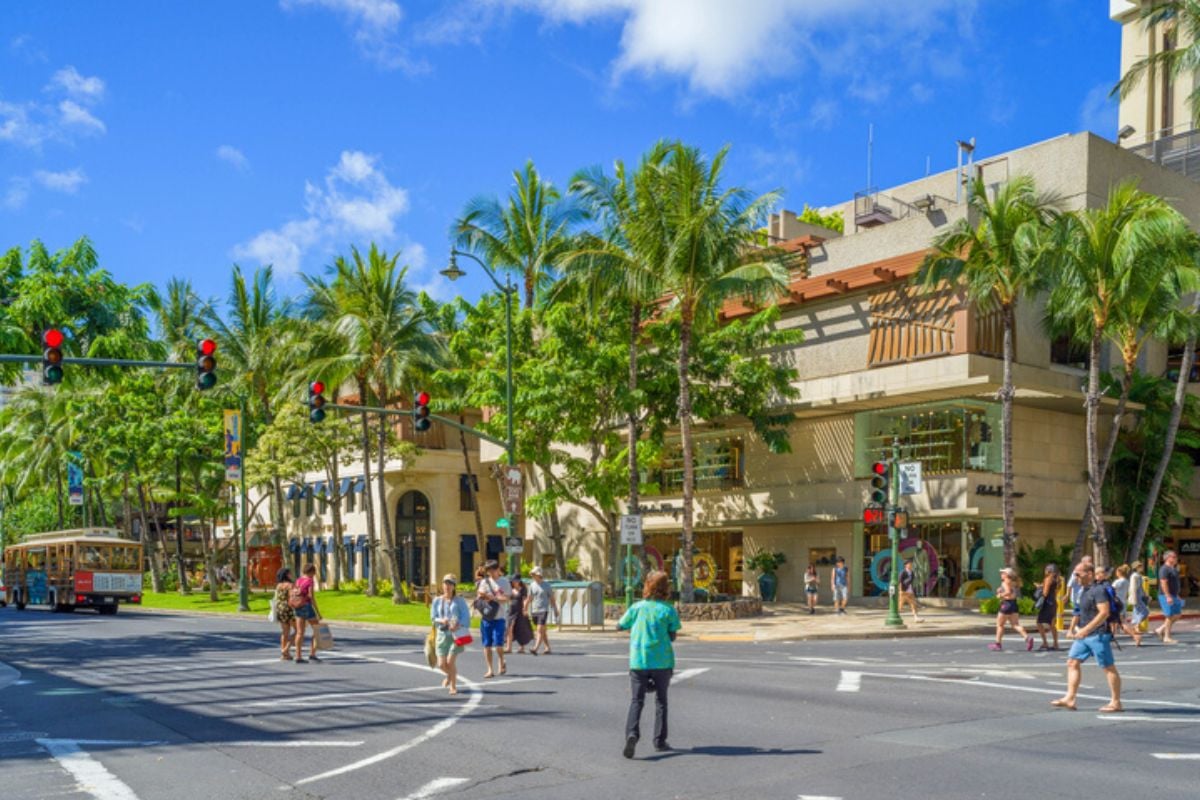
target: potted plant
<point>765,563</point>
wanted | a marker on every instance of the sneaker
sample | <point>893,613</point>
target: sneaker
<point>662,747</point>
<point>994,646</point>
<point>1028,643</point>
<point>630,744</point>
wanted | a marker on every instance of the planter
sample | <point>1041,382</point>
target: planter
<point>767,584</point>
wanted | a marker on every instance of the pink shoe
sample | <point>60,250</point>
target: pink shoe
<point>994,646</point>
<point>1028,643</point>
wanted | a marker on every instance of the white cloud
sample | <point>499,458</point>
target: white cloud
<point>84,89</point>
<point>375,24</point>
<point>920,92</point>
<point>66,182</point>
<point>17,194</point>
<point>1098,113</point>
<point>231,155</point>
<point>76,116</point>
<point>354,201</point>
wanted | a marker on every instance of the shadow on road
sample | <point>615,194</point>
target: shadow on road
<point>732,750</point>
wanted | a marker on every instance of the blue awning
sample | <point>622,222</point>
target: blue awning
<point>361,486</point>
<point>322,545</point>
<point>468,543</point>
<point>319,489</point>
<point>308,546</point>
<point>293,492</point>
<point>361,544</point>
<point>345,487</point>
<point>293,545</point>
<point>347,541</point>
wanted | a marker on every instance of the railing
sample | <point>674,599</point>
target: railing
<point>1179,153</point>
<point>873,208</point>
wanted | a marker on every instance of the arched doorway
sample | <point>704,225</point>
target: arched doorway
<point>412,538</point>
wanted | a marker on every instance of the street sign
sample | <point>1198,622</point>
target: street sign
<point>75,478</point>
<point>910,478</point>
<point>510,489</point>
<point>233,446</point>
<point>513,545</point>
<point>631,529</point>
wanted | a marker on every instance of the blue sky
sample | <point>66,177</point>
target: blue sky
<point>183,137</point>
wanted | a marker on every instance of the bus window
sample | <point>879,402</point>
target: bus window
<point>92,557</point>
<point>122,558</point>
<point>35,558</point>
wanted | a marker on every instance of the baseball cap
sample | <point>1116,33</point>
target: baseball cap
<point>535,571</point>
<point>450,577</point>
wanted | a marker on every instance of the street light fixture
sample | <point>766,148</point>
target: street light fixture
<point>453,272</point>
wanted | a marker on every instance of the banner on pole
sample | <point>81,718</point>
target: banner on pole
<point>75,478</point>
<point>233,446</point>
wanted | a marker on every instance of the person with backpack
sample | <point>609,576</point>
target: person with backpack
<point>1120,592</point>
<point>303,601</point>
<point>1092,638</point>
<point>1046,600</point>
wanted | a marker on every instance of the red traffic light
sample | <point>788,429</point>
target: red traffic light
<point>207,347</point>
<point>879,468</point>
<point>872,516</point>
<point>423,399</point>
<point>316,387</point>
<point>52,337</point>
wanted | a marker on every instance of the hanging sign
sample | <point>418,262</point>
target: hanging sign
<point>233,446</point>
<point>510,488</point>
<point>75,478</point>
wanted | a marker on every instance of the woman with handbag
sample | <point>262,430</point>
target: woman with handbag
<point>452,619</point>
<point>283,613</point>
<point>303,601</point>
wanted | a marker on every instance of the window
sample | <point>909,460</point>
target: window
<point>468,485</point>
<point>718,464</point>
<point>1068,352</point>
<point>350,499</point>
<point>945,437</point>
<point>308,501</point>
<point>93,557</point>
<point>1168,88</point>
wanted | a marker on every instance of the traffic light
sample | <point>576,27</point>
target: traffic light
<point>880,482</point>
<point>206,364</point>
<point>316,401</point>
<point>52,371</point>
<point>421,421</point>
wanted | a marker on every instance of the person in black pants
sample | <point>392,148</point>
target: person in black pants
<point>653,624</point>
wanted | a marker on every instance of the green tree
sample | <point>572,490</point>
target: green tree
<point>997,253</point>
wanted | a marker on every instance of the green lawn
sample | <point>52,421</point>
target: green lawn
<point>335,606</point>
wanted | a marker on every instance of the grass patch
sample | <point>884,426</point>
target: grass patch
<point>335,606</point>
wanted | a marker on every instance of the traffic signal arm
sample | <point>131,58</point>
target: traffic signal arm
<point>408,412</point>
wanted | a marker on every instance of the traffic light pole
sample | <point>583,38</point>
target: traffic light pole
<point>243,556</point>
<point>98,362</point>
<point>893,616</point>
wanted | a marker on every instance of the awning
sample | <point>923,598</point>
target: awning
<point>466,482</point>
<point>308,546</point>
<point>347,541</point>
<point>319,489</point>
<point>361,486</point>
<point>345,487</point>
<point>293,545</point>
<point>468,543</point>
<point>361,544</point>
<point>322,546</point>
<point>293,492</point>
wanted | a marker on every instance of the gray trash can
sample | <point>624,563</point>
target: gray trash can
<point>579,602</point>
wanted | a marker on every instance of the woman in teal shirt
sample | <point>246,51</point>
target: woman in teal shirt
<point>652,624</point>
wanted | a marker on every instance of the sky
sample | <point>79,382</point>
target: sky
<point>185,137</point>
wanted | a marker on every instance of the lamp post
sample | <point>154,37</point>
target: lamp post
<point>454,273</point>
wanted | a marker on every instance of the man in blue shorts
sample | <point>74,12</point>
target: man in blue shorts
<point>496,589</point>
<point>1092,638</point>
<point>1168,596</point>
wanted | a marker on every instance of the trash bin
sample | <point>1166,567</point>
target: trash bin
<point>579,602</point>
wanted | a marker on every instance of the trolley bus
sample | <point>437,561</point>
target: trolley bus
<point>64,570</point>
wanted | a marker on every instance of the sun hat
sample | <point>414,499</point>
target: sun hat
<point>1009,571</point>
<point>535,571</point>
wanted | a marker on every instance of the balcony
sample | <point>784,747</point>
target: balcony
<point>873,208</point>
<point>1179,153</point>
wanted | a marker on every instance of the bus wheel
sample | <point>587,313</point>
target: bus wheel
<point>107,610</point>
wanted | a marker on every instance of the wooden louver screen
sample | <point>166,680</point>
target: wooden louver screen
<point>909,323</point>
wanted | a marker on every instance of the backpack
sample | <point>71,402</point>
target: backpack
<point>1115,607</point>
<point>297,598</point>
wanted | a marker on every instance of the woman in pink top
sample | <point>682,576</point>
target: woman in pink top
<point>304,602</point>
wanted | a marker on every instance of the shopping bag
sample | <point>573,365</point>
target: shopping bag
<point>324,636</point>
<point>271,614</point>
<point>431,648</point>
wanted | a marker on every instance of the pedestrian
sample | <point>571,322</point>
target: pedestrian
<point>491,599</point>
<point>517,628</point>
<point>1092,638</point>
<point>284,614</point>
<point>1168,596</point>
<point>541,603</point>
<point>1075,588</point>
<point>1138,601</point>
<point>452,619</point>
<point>908,589</point>
<point>810,587</point>
<point>1009,613</point>
<point>652,624</point>
<point>1120,591</point>
<point>303,600</point>
<point>1047,606</point>
<point>840,583</point>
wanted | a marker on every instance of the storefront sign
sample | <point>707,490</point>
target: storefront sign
<point>1189,547</point>
<point>994,490</point>
<point>661,508</point>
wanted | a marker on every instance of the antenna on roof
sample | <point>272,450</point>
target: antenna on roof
<point>870,147</point>
<point>967,147</point>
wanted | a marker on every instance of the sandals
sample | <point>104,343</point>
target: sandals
<point>1060,703</point>
<point>1111,709</point>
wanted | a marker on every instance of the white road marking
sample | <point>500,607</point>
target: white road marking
<point>1177,756</point>
<point>91,775</point>
<point>850,681</point>
<point>688,674</point>
<point>817,797</point>
<point>9,675</point>
<point>833,661</point>
<point>433,787</point>
<point>991,685</point>
<point>270,743</point>
<point>1145,717</point>
<point>472,703</point>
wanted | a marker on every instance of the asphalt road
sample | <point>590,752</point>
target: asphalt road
<point>152,706</point>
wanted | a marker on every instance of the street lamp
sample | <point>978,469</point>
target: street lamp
<point>453,272</point>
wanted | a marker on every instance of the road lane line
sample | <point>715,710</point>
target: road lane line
<point>817,797</point>
<point>90,774</point>
<point>687,674</point>
<point>830,661</point>
<point>850,681</point>
<point>1146,717</point>
<point>472,703</point>
<point>1036,690</point>
<point>433,787</point>
<point>1177,756</point>
<point>272,743</point>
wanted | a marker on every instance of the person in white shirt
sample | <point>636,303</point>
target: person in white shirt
<point>491,601</point>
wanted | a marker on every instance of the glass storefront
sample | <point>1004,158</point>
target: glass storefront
<point>952,558</point>
<point>950,437</point>
<point>716,561</point>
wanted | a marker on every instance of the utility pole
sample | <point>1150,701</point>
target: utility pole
<point>889,511</point>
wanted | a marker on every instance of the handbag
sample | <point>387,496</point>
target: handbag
<point>431,648</point>
<point>324,636</point>
<point>271,616</point>
<point>488,609</point>
<point>462,636</point>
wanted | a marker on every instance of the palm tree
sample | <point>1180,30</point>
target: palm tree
<point>709,233</point>
<point>1182,19</point>
<point>996,253</point>
<point>1107,262</point>
<point>528,236</point>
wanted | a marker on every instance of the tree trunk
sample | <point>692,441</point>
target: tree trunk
<point>466,454</point>
<point>155,570</point>
<point>59,494</point>
<point>1007,392</point>
<point>633,430</point>
<point>98,497</point>
<point>184,587</point>
<point>1106,459</point>
<point>399,596</point>
<point>372,545</point>
<point>1092,404</point>
<point>1164,462</point>
<point>335,511</point>
<point>686,593</point>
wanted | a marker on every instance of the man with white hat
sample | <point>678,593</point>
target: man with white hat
<point>541,603</point>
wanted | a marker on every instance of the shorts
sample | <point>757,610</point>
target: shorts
<point>491,631</point>
<point>1140,612</point>
<point>810,589</point>
<point>841,594</point>
<point>1171,609</point>
<point>306,611</point>
<point>539,617</point>
<point>1008,607</point>
<point>1098,645</point>
<point>445,644</point>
